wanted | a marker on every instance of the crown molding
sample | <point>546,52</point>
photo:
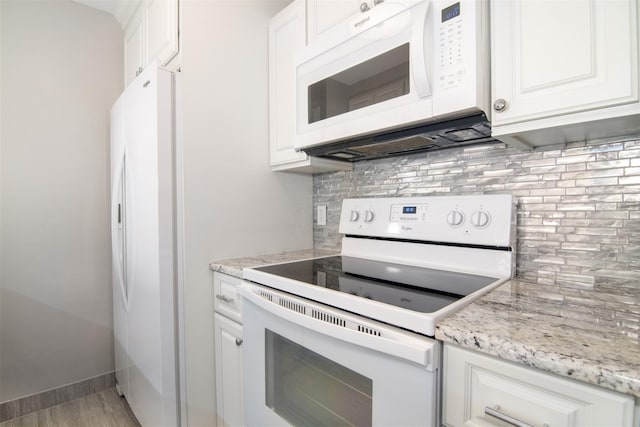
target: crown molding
<point>125,10</point>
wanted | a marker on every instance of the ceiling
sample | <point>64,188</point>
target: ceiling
<point>106,5</point>
<point>120,9</point>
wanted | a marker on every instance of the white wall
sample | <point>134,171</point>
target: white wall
<point>1,38</point>
<point>61,72</point>
<point>233,204</point>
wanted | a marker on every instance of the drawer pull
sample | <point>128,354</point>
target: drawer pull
<point>225,299</point>
<point>494,412</point>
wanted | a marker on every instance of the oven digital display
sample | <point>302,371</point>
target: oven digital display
<point>408,213</point>
<point>409,209</point>
<point>451,12</point>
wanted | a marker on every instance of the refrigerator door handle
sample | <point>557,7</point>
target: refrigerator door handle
<point>119,229</point>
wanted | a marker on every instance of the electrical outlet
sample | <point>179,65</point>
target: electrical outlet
<point>322,215</point>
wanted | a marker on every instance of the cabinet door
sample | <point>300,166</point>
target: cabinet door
<point>555,58</point>
<point>324,14</point>
<point>286,37</point>
<point>228,351</point>
<point>134,54</point>
<point>227,299</point>
<point>162,30</point>
<point>480,390</point>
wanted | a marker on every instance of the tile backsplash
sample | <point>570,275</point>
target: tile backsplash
<point>578,204</point>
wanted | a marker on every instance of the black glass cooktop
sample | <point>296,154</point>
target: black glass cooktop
<point>415,288</point>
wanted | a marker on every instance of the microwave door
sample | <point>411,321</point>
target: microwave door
<point>343,91</point>
<point>378,79</point>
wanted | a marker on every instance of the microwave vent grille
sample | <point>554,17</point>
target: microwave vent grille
<point>462,131</point>
<point>397,146</point>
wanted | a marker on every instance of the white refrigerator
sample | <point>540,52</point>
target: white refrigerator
<point>144,255</point>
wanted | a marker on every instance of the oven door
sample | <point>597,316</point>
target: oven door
<point>376,77</point>
<point>308,364</point>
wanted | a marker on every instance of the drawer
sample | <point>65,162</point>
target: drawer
<point>480,390</point>
<point>227,300</point>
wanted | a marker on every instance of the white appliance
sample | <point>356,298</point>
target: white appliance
<point>400,77</point>
<point>142,229</point>
<point>348,339</point>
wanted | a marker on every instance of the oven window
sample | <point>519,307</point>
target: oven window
<point>307,389</point>
<point>376,80</point>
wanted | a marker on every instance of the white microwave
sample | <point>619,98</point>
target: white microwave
<point>403,76</point>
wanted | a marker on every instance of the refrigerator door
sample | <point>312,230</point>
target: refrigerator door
<point>147,293</point>
<point>118,245</point>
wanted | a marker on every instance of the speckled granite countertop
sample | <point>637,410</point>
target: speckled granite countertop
<point>589,335</point>
<point>233,267</point>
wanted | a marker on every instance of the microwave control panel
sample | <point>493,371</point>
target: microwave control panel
<point>451,45</point>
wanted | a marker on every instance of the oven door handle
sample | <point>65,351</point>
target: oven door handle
<point>389,342</point>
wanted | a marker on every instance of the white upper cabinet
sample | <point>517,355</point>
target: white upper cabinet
<point>324,14</point>
<point>286,35</point>
<point>134,52</point>
<point>162,30</point>
<point>151,35</point>
<point>286,38</point>
<point>564,70</point>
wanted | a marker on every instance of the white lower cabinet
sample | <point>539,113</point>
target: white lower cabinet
<point>227,299</point>
<point>228,350</point>
<point>480,390</point>
<point>228,338</point>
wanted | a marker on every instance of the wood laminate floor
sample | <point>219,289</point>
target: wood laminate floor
<point>103,409</point>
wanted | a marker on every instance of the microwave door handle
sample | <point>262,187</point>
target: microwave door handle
<point>415,352</point>
<point>418,57</point>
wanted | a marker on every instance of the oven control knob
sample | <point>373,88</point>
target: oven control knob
<point>455,218</point>
<point>368,216</point>
<point>480,219</point>
<point>354,216</point>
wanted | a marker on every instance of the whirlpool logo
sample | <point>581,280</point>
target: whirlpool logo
<point>361,22</point>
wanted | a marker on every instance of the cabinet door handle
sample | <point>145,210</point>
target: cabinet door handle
<point>494,412</point>
<point>224,298</point>
<point>238,342</point>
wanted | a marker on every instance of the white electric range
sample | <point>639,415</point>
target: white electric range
<point>322,334</point>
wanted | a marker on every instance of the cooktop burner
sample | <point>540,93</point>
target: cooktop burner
<point>419,289</point>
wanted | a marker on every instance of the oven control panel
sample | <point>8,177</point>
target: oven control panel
<point>468,219</point>
<point>409,212</point>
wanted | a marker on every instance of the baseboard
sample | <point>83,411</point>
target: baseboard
<point>46,399</point>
